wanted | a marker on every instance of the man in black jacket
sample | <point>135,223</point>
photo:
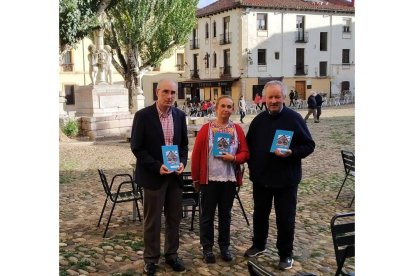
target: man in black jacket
<point>276,175</point>
<point>312,107</point>
<point>319,101</point>
<point>155,126</point>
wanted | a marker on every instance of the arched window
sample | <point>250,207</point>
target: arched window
<point>214,60</point>
<point>206,30</point>
<point>214,29</point>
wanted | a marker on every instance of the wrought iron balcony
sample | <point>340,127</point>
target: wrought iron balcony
<point>225,71</point>
<point>302,37</point>
<point>180,67</point>
<point>225,38</point>
<point>301,70</point>
<point>67,67</point>
<point>194,44</point>
<point>194,74</point>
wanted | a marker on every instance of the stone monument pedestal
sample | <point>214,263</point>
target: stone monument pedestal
<point>103,110</point>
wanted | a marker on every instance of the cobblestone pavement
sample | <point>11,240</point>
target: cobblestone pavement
<point>83,251</point>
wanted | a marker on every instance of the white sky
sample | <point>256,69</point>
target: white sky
<point>203,3</point>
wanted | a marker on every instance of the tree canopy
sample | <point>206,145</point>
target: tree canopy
<point>77,18</point>
<point>145,32</point>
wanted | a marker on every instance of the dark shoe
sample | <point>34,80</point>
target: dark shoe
<point>208,257</point>
<point>176,264</point>
<point>150,269</point>
<point>254,251</point>
<point>286,263</point>
<point>226,255</point>
<point>316,121</point>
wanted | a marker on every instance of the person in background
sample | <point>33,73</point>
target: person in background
<point>154,126</point>
<point>276,175</point>
<point>312,107</point>
<point>242,108</point>
<point>218,177</point>
<point>319,101</point>
<point>258,101</point>
<point>291,97</point>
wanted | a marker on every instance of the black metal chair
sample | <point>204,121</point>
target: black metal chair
<point>258,270</point>
<point>122,194</point>
<point>238,197</point>
<point>348,158</point>
<point>191,198</point>
<point>343,237</point>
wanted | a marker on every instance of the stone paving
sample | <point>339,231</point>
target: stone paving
<point>83,251</point>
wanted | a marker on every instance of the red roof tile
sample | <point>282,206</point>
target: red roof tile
<point>224,5</point>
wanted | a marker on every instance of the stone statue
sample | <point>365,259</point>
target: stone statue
<point>93,63</point>
<point>108,64</point>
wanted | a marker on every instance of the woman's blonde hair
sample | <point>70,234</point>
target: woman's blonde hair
<point>224,97</point>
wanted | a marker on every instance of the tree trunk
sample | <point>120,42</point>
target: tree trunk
<point>131,76</point>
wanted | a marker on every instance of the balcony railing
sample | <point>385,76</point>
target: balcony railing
<point>302,37</point>
<point>67,67</point>
<point>180,67</point>
<point>301,70</point>
<point>194,44</point>
<point>225,38</point>
<point>225,71</point>
<point>194,74</point>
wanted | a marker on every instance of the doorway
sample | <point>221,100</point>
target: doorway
<point>300,87</point>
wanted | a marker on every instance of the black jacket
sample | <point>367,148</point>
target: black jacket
<point>147,138</point>
<point>267,169</point>
<point>311,102</point>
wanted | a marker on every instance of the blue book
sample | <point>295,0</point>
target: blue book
<point>171,157</point>
<point>221,143</point>
<point>281,140</point>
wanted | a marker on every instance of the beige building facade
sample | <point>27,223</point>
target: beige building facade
<point>237,47</point>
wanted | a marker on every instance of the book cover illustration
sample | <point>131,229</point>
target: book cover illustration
<point>221,143</point>
<point>171,157</point>
<point>281,140</point>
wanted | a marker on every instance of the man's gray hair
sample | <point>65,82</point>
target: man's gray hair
<point>276,83</point>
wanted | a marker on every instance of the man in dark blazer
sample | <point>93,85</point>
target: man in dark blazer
<point>155,126</point>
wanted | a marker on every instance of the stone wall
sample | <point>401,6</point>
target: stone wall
<point>107,126</point>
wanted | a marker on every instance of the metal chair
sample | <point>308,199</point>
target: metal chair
<point>343,237</point>
<point>348,158</point>
<point>122,194</point>
<point>258,270</point>
<point>238,197</point>
<point>191,198</point>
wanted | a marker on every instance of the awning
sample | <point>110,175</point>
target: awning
<point>263,81</point>
<point>208,83</point>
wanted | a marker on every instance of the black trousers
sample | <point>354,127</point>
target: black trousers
<point>318,112</point>
<point>242,115</point>
<point>285,208</point>
<point>214,194</point>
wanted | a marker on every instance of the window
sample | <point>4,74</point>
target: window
<point>214,29</point>
<point>261,21</point>
<point>323,65</point>
<point>207,60</point>
<point>206,30</point>
<point>261,56</point>
<point>345,55</point>
<point>154,91</point>
<point>214,60</point>
<point>323,46</point>
<point>347,25</point>
<point>276,55</point>
<point>67,64</point>
<point>70,94</point>
<point>180,62</point>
